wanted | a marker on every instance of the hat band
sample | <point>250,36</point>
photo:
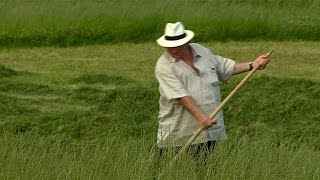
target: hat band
<point>173,38</point>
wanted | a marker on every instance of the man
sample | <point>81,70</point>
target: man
<point>189,78</point>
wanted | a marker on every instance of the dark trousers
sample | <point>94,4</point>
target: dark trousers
<point>195,150</point>
<point>199,152</point>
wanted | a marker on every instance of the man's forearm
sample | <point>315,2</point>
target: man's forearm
<point>261,61</point>
<point>192,107</point>
<point>241,67</point>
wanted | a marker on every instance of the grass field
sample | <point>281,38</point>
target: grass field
<point>79,100</point>
<point>90,112</point>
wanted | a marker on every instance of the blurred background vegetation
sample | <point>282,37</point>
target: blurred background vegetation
<point>81,22</point>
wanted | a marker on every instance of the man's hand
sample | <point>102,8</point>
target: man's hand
<point>262,61</point>
<point>206,123</point>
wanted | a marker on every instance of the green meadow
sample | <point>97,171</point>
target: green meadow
<point>90,112</point>
<point>79,100</point>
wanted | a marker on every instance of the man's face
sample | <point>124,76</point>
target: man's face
<point>177,52</point>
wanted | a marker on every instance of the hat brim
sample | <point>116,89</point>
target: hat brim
<point>175,43</point>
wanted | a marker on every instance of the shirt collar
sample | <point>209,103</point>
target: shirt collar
<point>169,57</point>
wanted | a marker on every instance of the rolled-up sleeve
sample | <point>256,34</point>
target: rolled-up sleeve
<point>169,84</point>
<point>225,67</point>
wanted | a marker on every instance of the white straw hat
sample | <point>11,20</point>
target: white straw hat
<point>175,35</point>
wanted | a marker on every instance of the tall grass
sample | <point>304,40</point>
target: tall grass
<point>33,157</point>
<point>65,23</point>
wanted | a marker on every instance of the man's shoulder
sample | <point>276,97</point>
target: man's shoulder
<point>163,61</point>
<point>197,46</point>
<point>200,49</point>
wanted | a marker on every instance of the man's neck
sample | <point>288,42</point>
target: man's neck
<point>188,55</point>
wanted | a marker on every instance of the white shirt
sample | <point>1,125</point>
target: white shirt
<point>177,79</point>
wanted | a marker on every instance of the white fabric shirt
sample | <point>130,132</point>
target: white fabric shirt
<point>177,79</point>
